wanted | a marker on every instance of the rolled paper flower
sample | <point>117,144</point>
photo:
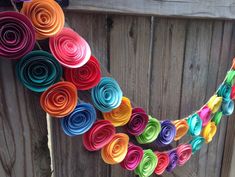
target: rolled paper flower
<point>227,107</point>
<point>38,70</point>
<point>167,134</point>
<point>184,152</point>
<point>205,115</point>
<point>214,103</point>
<point>151,131</point>
<point>133,157</point>
<point>195,125</point>
<point>232,95</point>
<point>138,122</point>
<point>217,117</point>
<point>70,49</point>
<point>209,131</point>
<point>197,143</point>
<point>100,134</point>
<point>120,115</point>
<point>163,162</point>
<point>229,79</point>
<point>181,128</point>
<point>60,99</point>
<point>147,164</point>
<point>107,95</point>
<point>233,64</point>
<point>47,17</point>
<point>173,160</point>
<point>115,151</point>
<point>224,91</point>
<point>80,120</point>
<point>17,35</point>
<point>22,0</point>
<point>85,77</point>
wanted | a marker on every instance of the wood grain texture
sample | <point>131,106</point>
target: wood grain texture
<point>177,8</point>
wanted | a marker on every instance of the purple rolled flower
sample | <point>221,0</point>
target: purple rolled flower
<point>167,134</point>
<point>173,159</point>
<point>23,0</point>
<point>138,122</point>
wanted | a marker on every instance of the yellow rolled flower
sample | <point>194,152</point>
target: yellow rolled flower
<point>120,115</point>
<point>214,103</point>
<point>115,151</point>
<point>209,131</point>
<point>181,128</point>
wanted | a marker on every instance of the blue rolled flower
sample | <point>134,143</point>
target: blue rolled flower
<point>107,95</point>
<point>195,125</point>
<point>167,134</point>
<point>224,91</point>
<point>80,120</point>
<point>38,70</point>
<point>197,143</point>
<point>227,107</point>
<point>173,159</point>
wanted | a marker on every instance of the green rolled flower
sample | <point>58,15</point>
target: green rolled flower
<point>197,143</point>
<point>217,117</point>
<point>151,131</point>
<point>230,77</point>
<point>147,164</point>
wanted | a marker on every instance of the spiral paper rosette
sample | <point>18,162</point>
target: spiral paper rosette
<point>214,103</point>
<point>227,107</point>
<point>181,128</point>
<point>107,95</point>
<point>47,17</point>
<point>60,99</point>
<point>163,162</point>
<point>173,160</point>
<point>232,94</point>
<point>38,70</point>
<point>195,125</point>
<point>70,49</point>
<point>229,79</point>
<point>115,151</point>
<point>167,134</point>
<point>133,157</point>
<point>233,64</point>
<point>209,131</point>
<point>85,77</point>
<point>224,91</point>
<point>205,115</point>
<point>17,35</point>
<point>147,164</point>
<point>184,152</point>
<point>197,143</point>
<point>138,122</point>
<point>100,134</point>
<point>151,131</point>
<point>217,117</point>
<point>80,120</point>
<point>120,115</point>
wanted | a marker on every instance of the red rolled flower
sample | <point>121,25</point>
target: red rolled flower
<point>163,161</point>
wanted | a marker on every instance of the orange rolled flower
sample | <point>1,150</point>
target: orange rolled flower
<point>233,65</point>
<point>46,16</point>
<point>181,128</point>
<point>120,115</point>
<point>115,151</point>
<point>60,99</point>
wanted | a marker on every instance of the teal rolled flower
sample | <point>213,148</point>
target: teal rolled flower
<point>227,107</point>
<point>195,125</point>
<point>147,164</point>
<point>217,117</point>
<point>224,91</point>
<point>38,70</point>
<point>107,95</point>
<point>197,143</point>
<point>229,79</point>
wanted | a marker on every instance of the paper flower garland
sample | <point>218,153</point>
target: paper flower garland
<point>100,134</point>
<point>70,49</point>
<point>47,17</point>
<point>38,70</point>
<point>17,35</point>
<point>60,99</point>
<point>80,120</point>
<point>85,77</point>
<point>163,161</point>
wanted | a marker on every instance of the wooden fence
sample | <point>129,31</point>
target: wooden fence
<point>168,65</point>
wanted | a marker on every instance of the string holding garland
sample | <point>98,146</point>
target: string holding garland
<point>71,57</point>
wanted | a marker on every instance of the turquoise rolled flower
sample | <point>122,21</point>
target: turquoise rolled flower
<point>197,143</point>
<point>38,70</point>
<point>107,95</point>
<point>224,91</point>
<point>227,107</point>
<point>195,125</point>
